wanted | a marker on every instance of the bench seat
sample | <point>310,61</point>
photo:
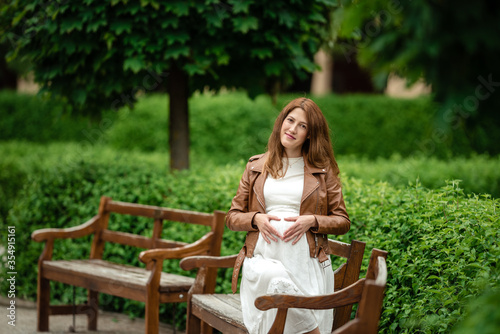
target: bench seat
<point>112,278</point>
<point>220,311</point>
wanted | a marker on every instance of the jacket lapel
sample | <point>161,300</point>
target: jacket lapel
<point>258,187</point>
<point>311,183</point>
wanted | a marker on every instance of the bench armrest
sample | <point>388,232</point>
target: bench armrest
<point>346,296</point>
<point>65,233</point>
<point>193,262</point>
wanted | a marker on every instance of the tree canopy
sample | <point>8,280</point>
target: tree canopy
<point>453,45</point>
<point>97,55</point>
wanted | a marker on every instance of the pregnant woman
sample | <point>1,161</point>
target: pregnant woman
<point>289,199</point>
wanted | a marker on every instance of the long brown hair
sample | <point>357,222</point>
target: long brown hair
<point>317,148</point>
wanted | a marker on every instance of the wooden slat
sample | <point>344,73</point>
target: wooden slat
<point>125,238</point>
<point>139,241</point>
<point>339,248</point>
<point>220,311</point>
<point>157,212</point>
<point>114,279</point>
<point>339,274</point>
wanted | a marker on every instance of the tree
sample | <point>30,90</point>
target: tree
<point>452,45</point>
<point>99,54</point>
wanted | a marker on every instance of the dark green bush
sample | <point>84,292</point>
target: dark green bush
<point>478,174</point>
<point>68,195</point>
<point>483,314</point>
<point>230,126</point>
<point>33,118</point>
<point>443,249</point>
<point>442,244</point>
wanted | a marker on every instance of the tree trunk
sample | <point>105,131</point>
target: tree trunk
<point>321,83</point>
<point>179,119</point>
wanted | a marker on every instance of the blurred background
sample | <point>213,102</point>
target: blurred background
<point>163,102</point>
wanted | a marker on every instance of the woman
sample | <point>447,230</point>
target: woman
<point>288,200</point>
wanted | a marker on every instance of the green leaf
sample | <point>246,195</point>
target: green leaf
<point>245,24</point>
<point>262,53</point>
<point>273,68</point>
<point>135,64</point>
<point>67,26</point>
<point>193,69</point>
<point>179,36</point>
<point>240,6</point>
<point>94,25</point>
<point>79,96</point>
<point>120,26</point>
<point>176,51</point>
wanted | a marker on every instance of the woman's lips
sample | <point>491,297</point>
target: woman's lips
<point>289,136</point>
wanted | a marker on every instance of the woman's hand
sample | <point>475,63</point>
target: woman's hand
<point>265,228</point>
<point>301,226</point>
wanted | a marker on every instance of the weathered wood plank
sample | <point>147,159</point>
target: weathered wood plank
<point>339,248</point>
<point>219,312</point>
<point>112,278</point>
<point>160,213</point>
<point>130,239</point>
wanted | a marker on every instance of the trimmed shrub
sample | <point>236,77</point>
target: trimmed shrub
<point>37,119</point>
<point>230,126</point>
<point>443,245</point>
<point>478,174</point>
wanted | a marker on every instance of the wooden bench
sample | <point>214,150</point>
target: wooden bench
<point>368,292</point>
<point>149,285</point>
<point>223,311</point>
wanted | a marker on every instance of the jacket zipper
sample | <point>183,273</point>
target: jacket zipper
<point>258,200</point>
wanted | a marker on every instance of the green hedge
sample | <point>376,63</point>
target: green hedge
<point>478,174</point>
<point>38,119</point>
<point>230,126</point>
<point>443,245</point>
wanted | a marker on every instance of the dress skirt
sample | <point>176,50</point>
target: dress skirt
<point>283,268</point>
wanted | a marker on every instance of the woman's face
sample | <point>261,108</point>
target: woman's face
<point>294,132</point>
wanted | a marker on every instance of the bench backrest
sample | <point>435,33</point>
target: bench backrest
<point>210,244</point>
<point>347,273</point>
<point>370,298</point>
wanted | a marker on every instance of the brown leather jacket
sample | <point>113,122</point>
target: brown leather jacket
<point>321,197</point>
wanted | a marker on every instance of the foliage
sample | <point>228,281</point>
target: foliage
<point>443,245</point>
<point>33,118</point>
<point>231,126</point>
<point>478,174</point>
<point>443,250</point>
<point>68,194</point>
<point>483,314</point>
<point>99,54</point>
<point>452,45</point>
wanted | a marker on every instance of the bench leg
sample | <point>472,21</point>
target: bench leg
<point>193,324</point>
<point>43,304</point>
<point>93,303</point>
<point>152,314</point>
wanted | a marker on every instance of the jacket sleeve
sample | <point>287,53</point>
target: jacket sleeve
<point>336,221</point>
<point>239,218</point>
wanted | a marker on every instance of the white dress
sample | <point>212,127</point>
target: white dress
<point>280,267</point>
